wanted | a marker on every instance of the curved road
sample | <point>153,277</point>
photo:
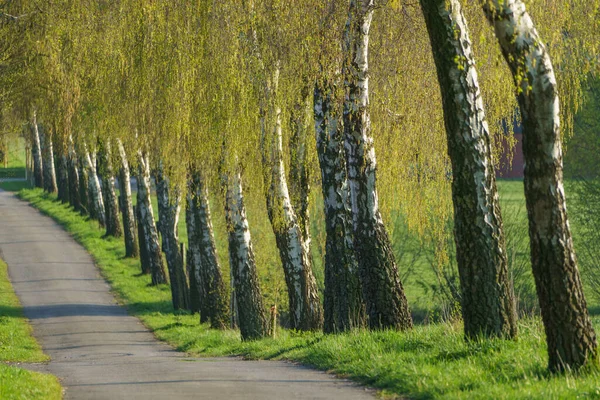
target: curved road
<point>100,352</point>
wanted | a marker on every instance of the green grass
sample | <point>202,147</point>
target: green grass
<point>15,166</point>
<point>431,361</point>
<point>15,186</point>
<point>17,345</point>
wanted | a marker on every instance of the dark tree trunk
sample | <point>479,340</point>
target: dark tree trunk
<point>149,239</point>
<point>50,184</point>
<point>143,244</point>
<point>343,303</point>
<point>74,196</point>
<point>571,338</point>
<point>487,299</point>
<point>63,179</point>
<point>38,167</point>
<point>169,206</point>
<point>195,296</point>
<point>382,290</point>
<point>126,205</point>
<point>205,269</point>
<point>250,310</point>
<point>83,186</point>
<point>111,205</point>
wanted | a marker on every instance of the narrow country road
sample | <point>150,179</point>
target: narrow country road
<point>99,352</point>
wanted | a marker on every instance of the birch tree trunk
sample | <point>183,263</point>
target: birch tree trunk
<point>38,167</point>
<point>142,239</point>
<point>571,338</point>
<point>50,185</point>
<point>299,173</point>
<point>193,268</point>
<point>488,306</point>
<point>148,234</point>
<point>126,204</point>
<point>74,195</point>
<point>169,206</point>
<point>344,308</point>
<point>96,203</point>
<point>305,306</point>
<point>83,186</point>
<point>382,290</point>
<point>111,205</point>
<point>250,309</point>
<point>205,264</point>
<point>63,178</point>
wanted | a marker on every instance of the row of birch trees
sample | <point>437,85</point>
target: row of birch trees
<point>207,103</point>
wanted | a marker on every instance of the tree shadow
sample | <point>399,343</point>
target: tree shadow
<point>10,312</point>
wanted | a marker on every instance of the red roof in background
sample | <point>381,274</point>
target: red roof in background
<point>513,169</point>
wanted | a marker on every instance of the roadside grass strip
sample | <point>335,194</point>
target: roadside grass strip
<point>17,345</point>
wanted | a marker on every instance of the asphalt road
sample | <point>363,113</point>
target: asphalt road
<point>100,352</point>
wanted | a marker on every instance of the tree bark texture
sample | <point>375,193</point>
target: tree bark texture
<point>142,240</point>
<point>299,172</point>
<point>305,306</point>
<point>382,290</point>
<point>344,308</point>
<point>38,167</point>
<point>50,184</point>
<point>74,195</point>
<point>195,287</point>
<point>126,205</point>
<point>63,178</point>
<point>111,204</point>
<point>96,202</point>
<point>488,305</point>
<point>250,309</point>
<point>169,207</point>
<point>84,183</point>
<point>571,338</point>
<point>205,268</point>
<point>148,234</point>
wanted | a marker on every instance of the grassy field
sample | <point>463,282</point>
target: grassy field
<point>15,166</point>
<point>17,345</point>
<point>432,361</point>
<point>15,186</point>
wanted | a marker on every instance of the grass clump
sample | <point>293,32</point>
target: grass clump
<point>17,345</point>
<point>431,361</point>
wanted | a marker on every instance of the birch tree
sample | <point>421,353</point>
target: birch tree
<point>569,333</point>
<point>487,301</point>
<point>382,290</point>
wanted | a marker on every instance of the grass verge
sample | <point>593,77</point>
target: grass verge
<point>431,361</point>
<point>14,186</point>
<point>17,345</point>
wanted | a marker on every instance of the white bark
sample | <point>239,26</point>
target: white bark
<point>38,168</point>
<point>95,191</point>
<point>570,335</point>
<point>383,293</point>
<point>50,184</point>
<point>146,220</point>
<point>250,311</point>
